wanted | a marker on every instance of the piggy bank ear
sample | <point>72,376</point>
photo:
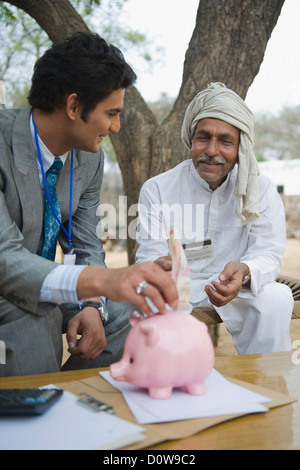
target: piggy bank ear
<point>151,333</point>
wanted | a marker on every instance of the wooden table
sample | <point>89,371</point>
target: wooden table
<point>279,428</point>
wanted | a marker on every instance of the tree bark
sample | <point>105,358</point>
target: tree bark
<point>228,45</point>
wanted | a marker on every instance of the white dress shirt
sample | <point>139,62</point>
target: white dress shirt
<point>199,213</point>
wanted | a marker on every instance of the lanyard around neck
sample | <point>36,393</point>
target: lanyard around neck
<point>68,234</point>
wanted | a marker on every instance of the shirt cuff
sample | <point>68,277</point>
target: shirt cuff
<point>60,285</point>
<point>256,276</point>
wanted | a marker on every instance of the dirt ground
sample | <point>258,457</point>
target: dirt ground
<point>290,267</point>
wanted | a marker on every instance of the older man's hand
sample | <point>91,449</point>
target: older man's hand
<point>221,293</point>
<point>165,262</point>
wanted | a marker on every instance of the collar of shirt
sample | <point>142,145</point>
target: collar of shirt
<point>47,156</point>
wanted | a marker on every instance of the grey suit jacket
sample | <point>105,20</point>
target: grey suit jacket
<point>21,211</point>
<point>30,329</point>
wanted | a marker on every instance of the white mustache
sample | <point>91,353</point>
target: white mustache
<point>206,159</point>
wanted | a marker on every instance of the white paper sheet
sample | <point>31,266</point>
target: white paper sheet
<point>222,398</point>
<point>67,426</point>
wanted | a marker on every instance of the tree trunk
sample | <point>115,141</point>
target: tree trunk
<point>228,45</point>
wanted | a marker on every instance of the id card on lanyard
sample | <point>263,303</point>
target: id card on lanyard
<point>198,250</point>
<point>70,257</point>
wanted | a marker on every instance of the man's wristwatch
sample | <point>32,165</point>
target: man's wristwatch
<point>99,305</point>
<point>247,278</point>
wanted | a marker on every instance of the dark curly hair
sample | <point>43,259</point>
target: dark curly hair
<point>83,64</point>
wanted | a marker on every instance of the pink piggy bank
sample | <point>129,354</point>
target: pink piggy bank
<point>165,351</point>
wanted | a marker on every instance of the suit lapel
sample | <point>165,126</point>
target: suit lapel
<point>27,181</point>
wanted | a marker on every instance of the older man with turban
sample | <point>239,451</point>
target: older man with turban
<point>230,220</point>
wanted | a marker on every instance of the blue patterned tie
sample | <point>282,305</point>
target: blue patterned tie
<point>51,225</point>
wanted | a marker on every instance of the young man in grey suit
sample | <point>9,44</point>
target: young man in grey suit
<point>76,96</point>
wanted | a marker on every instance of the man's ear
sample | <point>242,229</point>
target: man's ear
<point>73,106</point>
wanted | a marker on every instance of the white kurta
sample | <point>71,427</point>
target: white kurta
<point>182,198</point>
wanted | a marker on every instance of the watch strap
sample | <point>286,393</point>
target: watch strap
<point>99,306</point>
<point>91,303</point>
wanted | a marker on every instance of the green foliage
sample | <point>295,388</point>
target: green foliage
<point>259,156</point>
<point>87,7</point>
<point>278,136</point>
<point>22,41</point>
<point>6,15</point>
<point>162,107</point>
<point>109,150</point>
<point>113,27</point>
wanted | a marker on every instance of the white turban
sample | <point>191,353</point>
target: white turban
<point>219,102</point>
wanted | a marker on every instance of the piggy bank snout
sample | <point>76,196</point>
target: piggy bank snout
<point>118,370</point>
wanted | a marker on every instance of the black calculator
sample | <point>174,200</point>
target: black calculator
<point>28,401</point>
